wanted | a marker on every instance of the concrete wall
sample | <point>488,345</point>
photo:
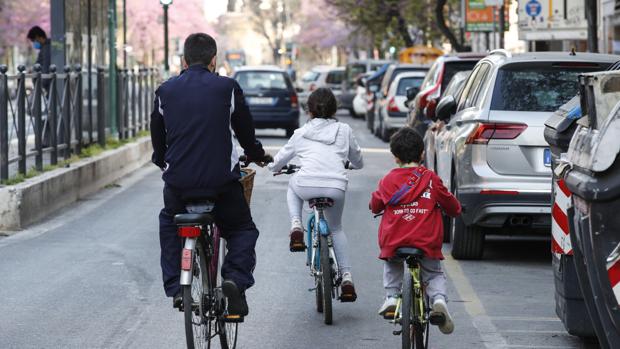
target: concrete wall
<point>38,197</point>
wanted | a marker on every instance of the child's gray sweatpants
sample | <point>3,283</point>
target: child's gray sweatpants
<point>432,276</point>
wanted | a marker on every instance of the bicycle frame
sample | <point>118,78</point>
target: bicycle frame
<point>418,298</point>
<point>316,227</point>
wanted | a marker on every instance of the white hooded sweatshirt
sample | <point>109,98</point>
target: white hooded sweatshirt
<point>323,147</point>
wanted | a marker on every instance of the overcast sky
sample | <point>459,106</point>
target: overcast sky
<point>214,8</point>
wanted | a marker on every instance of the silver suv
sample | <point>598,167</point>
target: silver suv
<point>493,154</point>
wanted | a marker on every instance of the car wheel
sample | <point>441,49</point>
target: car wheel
<point>376,125</point>
<point>467,240</point>
<point>385,133</point>
<point>290,131</point>
<point>352,113</point>
<point>369,120</point>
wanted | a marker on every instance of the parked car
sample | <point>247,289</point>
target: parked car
<point>349,85</point>
<point>271,97</point>
<point>320,76</point>
<point>437,129</point>
<point>435,83</point>
<point>496,159</point>
<point>381,97</point>
<point>392,111</point>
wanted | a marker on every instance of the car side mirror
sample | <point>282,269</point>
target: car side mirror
<point>412,92</point>
<point>445,108</point>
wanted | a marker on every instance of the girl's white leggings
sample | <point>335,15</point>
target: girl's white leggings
<point>297,195</point>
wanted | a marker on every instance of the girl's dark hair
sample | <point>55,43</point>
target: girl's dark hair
<point>322,103</point>
<point>407,145</point>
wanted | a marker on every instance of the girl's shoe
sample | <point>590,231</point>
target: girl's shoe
<point>440,310</point>
<point>347,288</point>
<point>297,243</point>
<point>388,308</point>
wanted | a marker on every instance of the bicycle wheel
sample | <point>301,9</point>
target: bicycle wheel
<point>406,319</point>
<point>197,323</point>
<point>326,280</point>
<point>228,334</point>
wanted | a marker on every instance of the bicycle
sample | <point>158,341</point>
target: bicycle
<point>413,310</point>
<point>204,302</point>
<point>320,256</point>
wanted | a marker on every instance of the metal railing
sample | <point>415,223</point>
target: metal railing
<point>47,116</point>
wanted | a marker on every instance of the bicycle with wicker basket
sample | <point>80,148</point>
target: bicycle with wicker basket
<point>204,302</point>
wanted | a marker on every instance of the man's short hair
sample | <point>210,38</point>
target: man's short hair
<point>407,145</point>
<point>36,32</point>
<point>199,48</point>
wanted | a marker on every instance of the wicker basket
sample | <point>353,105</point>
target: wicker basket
<point>247,181</point>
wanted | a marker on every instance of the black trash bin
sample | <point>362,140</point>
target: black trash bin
<point>594,179</point>
<point>569,300</point>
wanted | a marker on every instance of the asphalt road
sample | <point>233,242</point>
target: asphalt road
<point>90,278</point>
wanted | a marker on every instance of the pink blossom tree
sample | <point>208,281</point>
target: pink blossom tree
<point>16,18</point>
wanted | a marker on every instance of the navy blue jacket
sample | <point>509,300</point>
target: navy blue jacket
<point>192,125</point>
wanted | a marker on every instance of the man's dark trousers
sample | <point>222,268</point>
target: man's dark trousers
<point>233,218</point>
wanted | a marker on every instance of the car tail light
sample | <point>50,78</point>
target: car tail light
<point>189,232</point>
<point>294,101</point>
<point>392,106</point>
<point>430,108</point>
<point>486,132</point>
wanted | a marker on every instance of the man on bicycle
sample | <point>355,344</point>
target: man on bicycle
<point>195,118</point>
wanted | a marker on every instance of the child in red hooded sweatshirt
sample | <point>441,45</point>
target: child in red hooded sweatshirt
<point>411,198</point>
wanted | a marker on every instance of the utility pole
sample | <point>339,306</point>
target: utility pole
<point>112,65</point>
<point>592,18</point>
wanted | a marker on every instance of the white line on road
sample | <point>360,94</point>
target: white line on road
<point>364,150</point>
<point>490,336</point>
<point>525,318</point>
<point>535,332</point>
<point>539,346</point>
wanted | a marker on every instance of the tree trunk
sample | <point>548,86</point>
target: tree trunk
<point>445,30</point>
<point>402,29</point>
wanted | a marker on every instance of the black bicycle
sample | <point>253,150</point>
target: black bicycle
<point>204,303</point>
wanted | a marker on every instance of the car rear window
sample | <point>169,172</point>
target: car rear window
<point>405,83</point>
<point>335,77</point>
<point>261,80</point>
<point>454,67</point>
<point>310,76</point>
<point>353,70</point>
<point>536,87</point>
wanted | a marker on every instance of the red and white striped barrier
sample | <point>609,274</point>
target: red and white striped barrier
<point>560,234</point>
<point>613,272</point>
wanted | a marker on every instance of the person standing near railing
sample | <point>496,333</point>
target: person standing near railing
<point>41,42</point>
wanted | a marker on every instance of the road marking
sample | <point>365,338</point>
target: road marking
<point>525,318</point>
<point>482,322</point>
<point>535,332</point>
<point>539,346</point>
<point>364,150</point>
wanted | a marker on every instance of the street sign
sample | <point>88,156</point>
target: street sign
<point>533,8</point>
<point>552,20</point>
<point>480,17</point>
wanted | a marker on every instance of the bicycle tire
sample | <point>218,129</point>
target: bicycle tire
<point>197,326</point>
<point>319,295</point>
<point>227,340</point>
<point>326,280</point>
<point>405,312</point>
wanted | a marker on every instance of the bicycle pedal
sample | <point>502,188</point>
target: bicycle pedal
<point>389,315</point>
<point>233,318</point>
<point>397,333</point>
<point>347,298</point>
<point>437,319</point>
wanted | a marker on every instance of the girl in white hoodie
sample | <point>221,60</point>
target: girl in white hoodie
<point>323,146</point>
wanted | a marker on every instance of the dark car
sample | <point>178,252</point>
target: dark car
<point>271,97</point>
<point>435,83</point>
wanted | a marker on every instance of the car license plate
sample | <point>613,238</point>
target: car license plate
<point>260,101</point>
<point>547,157</point>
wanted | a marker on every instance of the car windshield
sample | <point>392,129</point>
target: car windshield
<point>335,77</point>
<point>261,80</point>
<point>406,83</point>
<point>310,76</point>
<point>535,88</point>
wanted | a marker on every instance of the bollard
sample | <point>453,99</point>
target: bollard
<point>21,119</point>
<point>4,124</point>
<point>134,121</point>
<point>38,121</point>
<point>101,117</point>
<point>140,100</point>
<point>66,112</point>
<point>79,102</point>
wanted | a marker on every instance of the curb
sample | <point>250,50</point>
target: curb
<point>38,197</point>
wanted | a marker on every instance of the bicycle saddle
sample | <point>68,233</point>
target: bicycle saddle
<point>321,202</point>
<point>193,218</point>
<point>405,252</point>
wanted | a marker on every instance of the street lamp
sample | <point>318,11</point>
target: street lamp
<point>165,4</point>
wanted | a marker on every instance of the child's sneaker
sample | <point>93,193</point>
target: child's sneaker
<point>440,312</point>
<point>347,288</point>
<point>297,237</point>
<point>388,308</point>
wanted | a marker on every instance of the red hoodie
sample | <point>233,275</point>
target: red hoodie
<point>414,219</point>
